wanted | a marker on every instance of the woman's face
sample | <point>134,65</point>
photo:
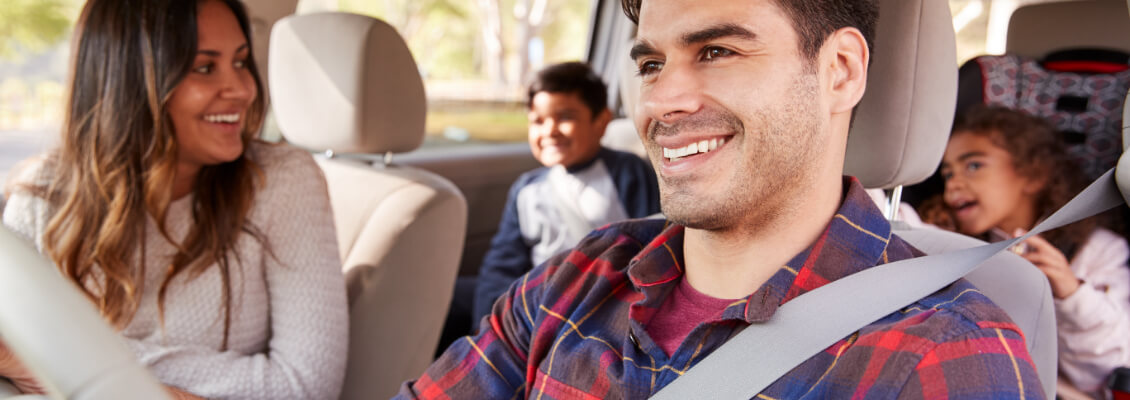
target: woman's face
<point>209,106</point>
<point>983,188</point>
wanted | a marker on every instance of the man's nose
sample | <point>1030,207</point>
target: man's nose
<point>675,93</point>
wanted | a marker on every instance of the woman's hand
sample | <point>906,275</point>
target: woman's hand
<point>13,369</point>
<point>1052,263</point>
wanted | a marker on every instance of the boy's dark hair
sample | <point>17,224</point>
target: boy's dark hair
<point>571,77</point>
<point>1037,152</point>
<point>813,20</point>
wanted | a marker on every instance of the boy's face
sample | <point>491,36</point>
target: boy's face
<point>563,130</point>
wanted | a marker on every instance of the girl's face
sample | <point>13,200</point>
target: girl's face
<point>983,188</point>
<point>209,107</point>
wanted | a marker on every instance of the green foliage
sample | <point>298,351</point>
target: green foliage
<point>485,125</point>
<point>32,24</point>
<point>445,36</point>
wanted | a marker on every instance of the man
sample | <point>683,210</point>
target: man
<point>759,218</point>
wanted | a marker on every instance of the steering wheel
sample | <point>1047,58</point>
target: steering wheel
<point>60,336</point>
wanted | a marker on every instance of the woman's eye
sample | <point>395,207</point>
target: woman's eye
<point>240,64</point>
<point>947,175</point>
<point>203,69</point>
<point>650,67</point>
<point>973,166</point>
<point>710,53</point>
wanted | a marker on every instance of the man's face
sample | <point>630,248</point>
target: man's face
<point>728,76</point>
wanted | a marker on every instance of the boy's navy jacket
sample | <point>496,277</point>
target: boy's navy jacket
<point>514,252</point>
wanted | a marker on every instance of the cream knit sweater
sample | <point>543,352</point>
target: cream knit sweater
<point>289,325</point>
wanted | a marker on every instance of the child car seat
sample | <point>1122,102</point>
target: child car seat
<point>1080,91</point>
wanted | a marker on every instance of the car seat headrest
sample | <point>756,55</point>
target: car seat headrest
<point>346,83</point>
<point>902,124</point>
<point>629,84</point>
<point>1091,23</point>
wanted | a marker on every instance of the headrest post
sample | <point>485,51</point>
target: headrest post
<point>893,206</point>
<point>388,158</point>
<point>329,154</point>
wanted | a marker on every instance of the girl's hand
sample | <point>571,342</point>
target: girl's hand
<point>1052,263</point>
<point>14,370</point>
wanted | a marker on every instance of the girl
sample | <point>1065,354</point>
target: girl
<point>213,253</point>
<point>1004,171</point>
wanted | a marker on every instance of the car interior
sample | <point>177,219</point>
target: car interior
<point>347,88</point>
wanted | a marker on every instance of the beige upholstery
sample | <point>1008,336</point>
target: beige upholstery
<point>911,87</point>
<point>621,135</point>
<point>1122,170</point>
<point>59,335</point>
<point>350,78</point>
<point>1036,29</point>
<point>621,132</point>
<point>900,132</point>
<point>347,84</point>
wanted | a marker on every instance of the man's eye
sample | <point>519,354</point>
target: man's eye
<point>947,175</point>
<point>711,53</point>
<point>973,166</point>
<point>650,67</point>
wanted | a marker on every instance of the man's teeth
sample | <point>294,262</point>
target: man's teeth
<point>222,118</point>
<point>702,146</point>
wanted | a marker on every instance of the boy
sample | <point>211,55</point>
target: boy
<point>583,186</point>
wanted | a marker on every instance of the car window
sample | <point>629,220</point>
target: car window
<point>33,66</point>
<point>476,56</point>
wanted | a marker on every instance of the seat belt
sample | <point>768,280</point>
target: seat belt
<point>803,327</point>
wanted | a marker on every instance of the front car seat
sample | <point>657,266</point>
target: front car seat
<point>347,85</point>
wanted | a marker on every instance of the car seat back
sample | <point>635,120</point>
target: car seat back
<point>347,85</point>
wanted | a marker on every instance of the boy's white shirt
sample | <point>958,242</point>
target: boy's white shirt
<point>588,195</point>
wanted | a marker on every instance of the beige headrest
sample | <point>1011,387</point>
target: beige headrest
<point>1035,30</point>
<point>903,122</point>
<point>629,83</point>
<point>346,83</point>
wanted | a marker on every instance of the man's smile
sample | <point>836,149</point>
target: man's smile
<point>694,148</point>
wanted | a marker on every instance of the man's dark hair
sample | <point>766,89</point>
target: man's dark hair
<point>571,77</point>
<point>813,20</point>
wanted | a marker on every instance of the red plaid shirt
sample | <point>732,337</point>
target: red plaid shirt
<point>575,327</point>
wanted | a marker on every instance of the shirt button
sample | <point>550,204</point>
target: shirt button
<point>632,337</point>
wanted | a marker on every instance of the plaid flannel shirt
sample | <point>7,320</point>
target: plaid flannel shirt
<point>576,326</point>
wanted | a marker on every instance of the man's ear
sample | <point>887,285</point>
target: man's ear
<point>846,55</point>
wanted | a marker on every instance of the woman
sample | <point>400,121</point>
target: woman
<point>213,253</point>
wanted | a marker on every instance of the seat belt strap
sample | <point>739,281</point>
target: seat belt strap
<point>801,328</point>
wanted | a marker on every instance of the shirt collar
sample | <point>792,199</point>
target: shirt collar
<point>855,239</point>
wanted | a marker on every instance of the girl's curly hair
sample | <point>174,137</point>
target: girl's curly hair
<point>1037,152</point>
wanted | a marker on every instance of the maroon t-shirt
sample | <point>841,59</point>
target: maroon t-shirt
<point>683,310</point>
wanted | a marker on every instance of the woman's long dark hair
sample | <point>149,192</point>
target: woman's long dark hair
<point>117,160</point>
